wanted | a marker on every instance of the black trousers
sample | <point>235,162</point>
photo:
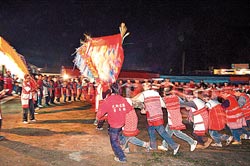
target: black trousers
<point>30,111</point>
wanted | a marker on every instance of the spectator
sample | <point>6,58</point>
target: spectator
<point>27,99</point>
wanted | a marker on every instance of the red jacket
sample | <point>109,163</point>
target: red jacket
<point>116,107</point>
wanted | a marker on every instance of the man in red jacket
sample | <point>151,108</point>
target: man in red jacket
<point>117,108</point>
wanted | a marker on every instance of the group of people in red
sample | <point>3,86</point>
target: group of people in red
<point>218,114</point>
<point>42,91</point>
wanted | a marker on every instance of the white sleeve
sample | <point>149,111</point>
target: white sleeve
<point>162,103</point>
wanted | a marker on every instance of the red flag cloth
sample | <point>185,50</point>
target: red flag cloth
<point>104,56</point>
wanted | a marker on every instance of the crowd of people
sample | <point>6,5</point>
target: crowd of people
<point>219,113</point>
<point>43,91</point>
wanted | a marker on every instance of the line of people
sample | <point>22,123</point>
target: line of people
<point>43,91</point>
<point>222,113</point>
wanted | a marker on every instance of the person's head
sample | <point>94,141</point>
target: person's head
<point>167,80</point>
<point>39,76</point>
<point>168,90</point>
<point>45,77</point>
<point>146,87</point>
<point>206,97</point>
<point>115,88</point>
<point>237,93</point>
<point>27,77</point>
<point>137,81</point>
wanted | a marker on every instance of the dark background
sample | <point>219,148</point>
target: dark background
<point>210,33</point>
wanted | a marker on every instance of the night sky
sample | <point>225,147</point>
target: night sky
<point>210,33</point>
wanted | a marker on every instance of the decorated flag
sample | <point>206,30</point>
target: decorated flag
<point>101,58</point>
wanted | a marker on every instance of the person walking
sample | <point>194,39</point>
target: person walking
<point>130,131</point>
<point>153,107</point>
<point>234,116</point>
<point>217,122</point>
<point>198,116</point>
<point>175,124</point>
<point>116,107</point>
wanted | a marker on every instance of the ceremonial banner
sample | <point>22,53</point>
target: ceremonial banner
<point>11,59</point>
<point>100,58</point>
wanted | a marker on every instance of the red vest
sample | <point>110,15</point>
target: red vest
<point>174,114</point>
<point>234,115</point>
<point>130,127</point>
<point>153,108</point>
<point>217,115</point>
<point>200,117</point>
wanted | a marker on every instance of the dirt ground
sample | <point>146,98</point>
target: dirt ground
<point>65,135</point>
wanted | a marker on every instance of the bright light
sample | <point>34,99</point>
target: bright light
<point>65,76</point>
<point>10,65</point>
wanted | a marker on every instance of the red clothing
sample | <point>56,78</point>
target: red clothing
<point>217,115</point>
<point>246,107</point>
<point>174,112</point>
<point>116,107</point>
<point>153,108</point>
<point>137,89</point>
<point>64,89</point>
<point>40,87</point>
<point>40,83</point>
<point>74,88</point>
<point>58,92</point>
<point>234,114</point>
<point>69,89</point>
<point>26,94</point>
<point>8,84</point>
<point>130,128</point>
<point>200,116</point>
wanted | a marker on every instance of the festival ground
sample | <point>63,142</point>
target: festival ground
<point>65,135</point>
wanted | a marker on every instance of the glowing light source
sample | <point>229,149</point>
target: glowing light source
<point>10,65</point>
<point>65,76</point>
